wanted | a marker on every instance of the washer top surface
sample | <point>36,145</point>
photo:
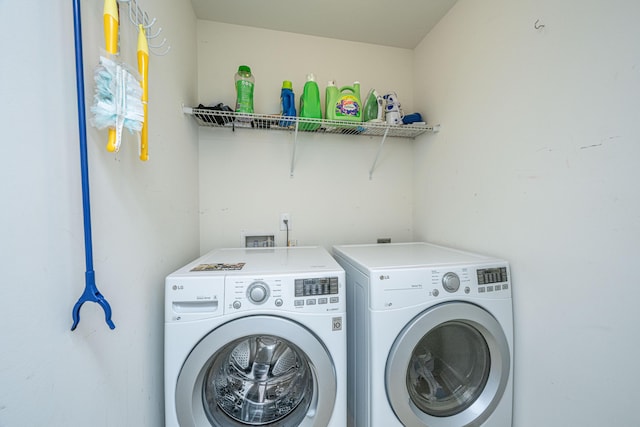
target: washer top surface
<point>277,260</point>
<point>407,255</point>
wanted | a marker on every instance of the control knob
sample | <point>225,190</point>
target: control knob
<point>451,282</point>
<point>258,292</point>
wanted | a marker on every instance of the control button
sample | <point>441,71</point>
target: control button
<point>435,292</point>
<point>258,292</point>
<point>480,290</point>
<point>334,300</point>
<point>298,303</point>
<point>505,286</point>
<point>279,302</point>
<point>489,288</point>
<point>237,305</point>
<point>311,301</point>
<point>322,300</point>
<point>467,290</point>
<point>451,282</point>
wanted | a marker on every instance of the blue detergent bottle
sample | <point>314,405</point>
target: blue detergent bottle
<point>288,103</point>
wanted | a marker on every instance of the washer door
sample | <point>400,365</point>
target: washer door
<point>448,367</point>
<point>257,371</point>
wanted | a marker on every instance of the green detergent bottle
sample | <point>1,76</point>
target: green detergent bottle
<point>343,103</point>
<point>373,107</point>
<point>310,104</point>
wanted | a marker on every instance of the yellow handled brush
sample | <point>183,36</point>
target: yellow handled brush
<point>111,20</point>
<point>143,69</point>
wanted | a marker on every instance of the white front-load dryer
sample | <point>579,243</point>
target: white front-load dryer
<point>430,339</point>
<point>256,337</point>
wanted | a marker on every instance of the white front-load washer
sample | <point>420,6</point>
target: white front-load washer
<point>430,338</point>
<point>256,337</point>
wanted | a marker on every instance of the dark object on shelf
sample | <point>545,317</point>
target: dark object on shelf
<point>218,119</point>
<point>412,118</point>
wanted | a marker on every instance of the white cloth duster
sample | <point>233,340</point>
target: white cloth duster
<point>117,100</point>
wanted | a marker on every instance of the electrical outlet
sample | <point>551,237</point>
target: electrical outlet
<point>283,226</point>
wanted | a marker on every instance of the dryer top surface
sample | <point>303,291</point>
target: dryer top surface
<point>407,255</point>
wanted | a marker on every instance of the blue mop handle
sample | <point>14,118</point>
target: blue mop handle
<point>82,126</point>
<point>91,292</point>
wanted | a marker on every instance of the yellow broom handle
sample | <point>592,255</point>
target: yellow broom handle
<point>110,17</point>
<point>143,69</point>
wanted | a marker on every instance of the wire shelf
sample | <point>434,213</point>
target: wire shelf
<point>209,117</point>
<point>231,120</point>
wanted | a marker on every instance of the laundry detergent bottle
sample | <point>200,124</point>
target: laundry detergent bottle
<point>373,110</point>
<point>343,103</point>
<point>288,102</point>
<point>244,89</point>
<point>310,104</point>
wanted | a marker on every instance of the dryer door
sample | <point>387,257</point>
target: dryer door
<point>257,371</point>
<point>448,367</point>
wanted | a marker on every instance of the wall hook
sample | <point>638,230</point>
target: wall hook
<point>137,17</point>
<point>537,25</point>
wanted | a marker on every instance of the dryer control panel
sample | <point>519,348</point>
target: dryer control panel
<point>397,288</point>
<point>475,280</point>
<point>493,279</point>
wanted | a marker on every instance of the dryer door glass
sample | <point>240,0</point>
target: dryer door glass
<point>455,364</point>
<point>448,369</point>
<point>258,380</point>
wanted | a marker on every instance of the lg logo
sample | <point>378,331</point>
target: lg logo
<point>384,277</point>
<point>177,287</point>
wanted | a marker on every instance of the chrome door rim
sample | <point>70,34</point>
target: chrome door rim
<point>188,401</point>
<point>400,355</point>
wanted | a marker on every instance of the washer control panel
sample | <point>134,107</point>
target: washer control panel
<point>309,294</point>
<point>317,291</point>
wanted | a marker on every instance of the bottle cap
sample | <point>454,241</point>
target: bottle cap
<point>244,68</point>
<point>286,84</point>
<point>311,77</point>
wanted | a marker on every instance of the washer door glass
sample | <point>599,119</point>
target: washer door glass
<point>258,380</point>
<point>448,369</point>
<point>257,371</point>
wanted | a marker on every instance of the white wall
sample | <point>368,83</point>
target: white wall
<point>537,162</point>
<point>244,176</point>
<point>145,221</point>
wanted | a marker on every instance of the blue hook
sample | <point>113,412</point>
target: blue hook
<point>91,294</point>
